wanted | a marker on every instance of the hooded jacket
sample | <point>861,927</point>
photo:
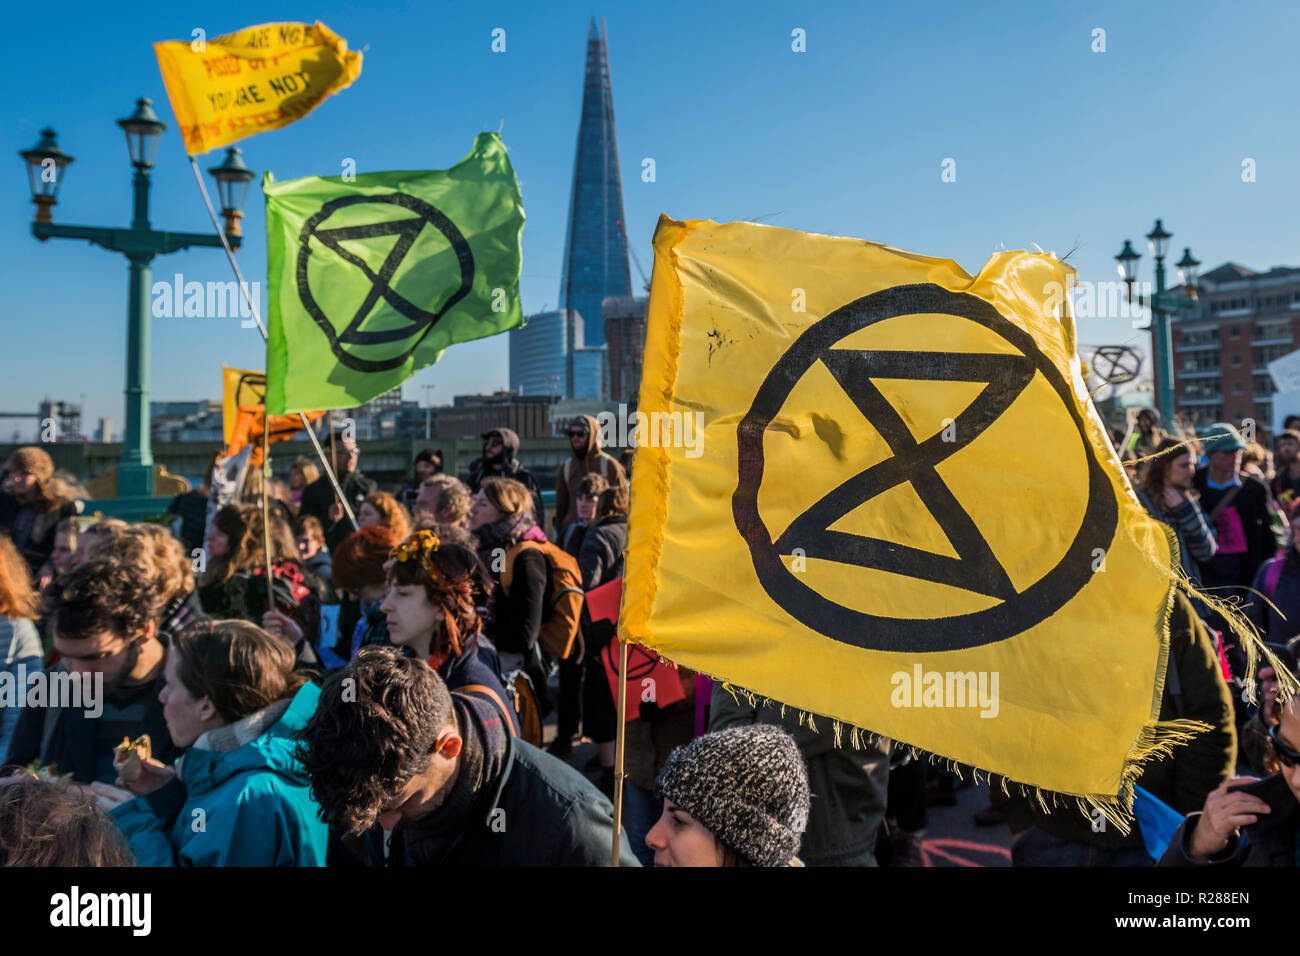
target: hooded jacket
<point>251,796</point>
<point>592,460</point>
<point>509,468</point>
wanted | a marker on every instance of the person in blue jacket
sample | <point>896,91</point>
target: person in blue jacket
<point>239,795</point>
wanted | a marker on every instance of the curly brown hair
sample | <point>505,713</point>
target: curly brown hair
<point>236,665</point>
<point>359,560</point>
<point>108,593</point>
<point>44,824</point>
<point>172,569</point>
<point>374,729</point>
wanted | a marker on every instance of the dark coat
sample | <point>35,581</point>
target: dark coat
<point>535,810</point>
<point>1194,690</point>
<point>1252,506</point>
<point>1269,842</point>
<point>84,745</point>
<point>601,558</point>
<point>39,543</point>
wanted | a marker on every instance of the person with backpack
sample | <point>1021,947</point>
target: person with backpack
<point>235,703</point>
<point>443,771</point>
<point>536,610</point>
<point>430,612</point>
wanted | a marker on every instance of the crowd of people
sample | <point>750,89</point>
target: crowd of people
<point>322,691</point>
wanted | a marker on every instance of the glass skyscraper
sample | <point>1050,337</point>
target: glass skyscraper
<point>595,249</point>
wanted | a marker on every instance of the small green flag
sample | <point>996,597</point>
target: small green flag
<point>370,280</point>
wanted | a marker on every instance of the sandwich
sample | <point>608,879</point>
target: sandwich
<point>129,757</point>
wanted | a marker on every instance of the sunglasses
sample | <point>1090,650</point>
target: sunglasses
<point>1287,756</point>
<point>577,434</point>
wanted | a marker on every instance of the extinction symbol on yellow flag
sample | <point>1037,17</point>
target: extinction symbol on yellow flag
<point>907,516</point>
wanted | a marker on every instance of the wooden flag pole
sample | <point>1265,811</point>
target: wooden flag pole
<point>620,738</point>
<point>266,508</point>
<point>257,317</point>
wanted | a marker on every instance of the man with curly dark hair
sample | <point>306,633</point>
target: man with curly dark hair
<point>105,619</point>
<point>389,748</point>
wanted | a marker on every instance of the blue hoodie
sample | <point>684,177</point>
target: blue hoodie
<point>246,806</point>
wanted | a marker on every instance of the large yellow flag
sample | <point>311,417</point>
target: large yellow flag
<point>873,487</point>
<point>255,79</point>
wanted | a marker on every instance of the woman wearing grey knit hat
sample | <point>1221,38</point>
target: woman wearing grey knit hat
<point>738,797</point>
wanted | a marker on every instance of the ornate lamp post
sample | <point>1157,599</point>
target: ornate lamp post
<point>139,243</point>
<point>1162,306</point>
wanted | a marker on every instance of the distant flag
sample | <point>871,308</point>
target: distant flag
<point>256,79</point>
<point>371,279</point>
<point>242,411</point>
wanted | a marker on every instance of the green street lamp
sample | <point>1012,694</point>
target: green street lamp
<point>1162,307</point>
<point>232,178</point>
<point>45,166</point>
<point>140,244</point>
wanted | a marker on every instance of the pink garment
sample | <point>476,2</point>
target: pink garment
<point>1231,535</point>
<point>535,533</point>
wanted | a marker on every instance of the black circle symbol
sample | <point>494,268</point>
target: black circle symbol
<point>420,321</point>
<point>976,568</point>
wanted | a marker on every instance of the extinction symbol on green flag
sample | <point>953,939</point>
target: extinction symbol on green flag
<point>371,280</point>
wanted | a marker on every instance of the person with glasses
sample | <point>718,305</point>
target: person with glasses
<point>1247,821</point>
<point>587,459</point>
<point>105,618</point>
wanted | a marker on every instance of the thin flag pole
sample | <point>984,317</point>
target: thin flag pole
<point>257,317</point>
<point>620,738</point>
<point>266,507</point>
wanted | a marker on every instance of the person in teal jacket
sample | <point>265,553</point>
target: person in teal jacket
<point>238,796</point>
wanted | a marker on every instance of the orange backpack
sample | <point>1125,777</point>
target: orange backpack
<point>560,621</point>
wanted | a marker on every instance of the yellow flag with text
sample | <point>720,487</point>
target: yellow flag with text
<point>873,487</point>
<point>252,80</point>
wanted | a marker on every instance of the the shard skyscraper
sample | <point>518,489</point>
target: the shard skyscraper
<point>595,248</point>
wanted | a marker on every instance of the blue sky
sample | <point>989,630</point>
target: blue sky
<point>1054,144</point>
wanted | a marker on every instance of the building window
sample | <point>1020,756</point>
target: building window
<point>1238,388</point>
<point>1234,332</point>
<point>1277,329</point>
<point>1236,361</point>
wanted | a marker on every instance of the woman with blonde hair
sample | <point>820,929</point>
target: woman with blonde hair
<point>381,508</point>
<point>20,642</point>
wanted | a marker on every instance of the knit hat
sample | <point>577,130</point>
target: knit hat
<point>748,786</point>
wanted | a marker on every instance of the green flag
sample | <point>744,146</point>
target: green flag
<point>370,280</point>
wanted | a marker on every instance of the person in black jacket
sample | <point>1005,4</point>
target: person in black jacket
<point>320,501</point>
<point>105,624</point>
<point>390,748</point>
<point>1248,822</point>
<point>500,448</point>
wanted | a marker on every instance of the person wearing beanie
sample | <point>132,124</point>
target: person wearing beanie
<point>738,797</point>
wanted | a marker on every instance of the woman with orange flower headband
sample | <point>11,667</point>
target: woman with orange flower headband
<point>431,611</point>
